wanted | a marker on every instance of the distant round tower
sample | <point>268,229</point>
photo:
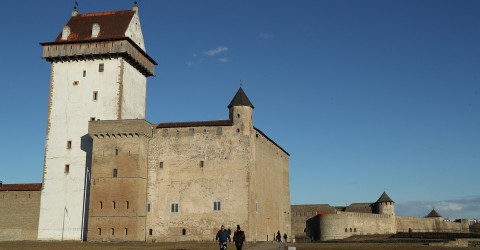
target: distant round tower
<point>385,205</point>
<point>434,214</point>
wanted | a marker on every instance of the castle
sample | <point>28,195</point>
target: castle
<point>325,222</point>
<point>110,175</point>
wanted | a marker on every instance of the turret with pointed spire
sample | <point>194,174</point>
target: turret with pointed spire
<point>241,113</point>
<point>384,205</point>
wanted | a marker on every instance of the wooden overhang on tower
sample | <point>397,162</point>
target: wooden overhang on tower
<point>76,42</point>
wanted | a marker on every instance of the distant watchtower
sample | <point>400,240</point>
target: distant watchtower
<point>99,71</point>
<point>384,205</point>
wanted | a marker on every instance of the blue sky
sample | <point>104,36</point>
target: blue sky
<point>366,96</point>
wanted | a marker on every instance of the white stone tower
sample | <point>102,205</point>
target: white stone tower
<point>99,69</point>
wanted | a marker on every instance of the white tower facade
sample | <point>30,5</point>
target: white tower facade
<point>99,71</point>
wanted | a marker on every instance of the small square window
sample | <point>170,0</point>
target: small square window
<point>101,67</point>
<point>67,168</point>
<point>69,144</point>
<point>115,172</point>
<point>161,164</point>
<point>92,119</point>
<point>75,83</point>
<point>95,95</point>
<point>174,208</point>
<point>216,206</point>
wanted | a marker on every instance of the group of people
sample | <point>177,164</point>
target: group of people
<point>279,237</point>
<point>223,235</point>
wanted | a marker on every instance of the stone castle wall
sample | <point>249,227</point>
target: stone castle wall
<point>270,192</point>
<point>343,225</point>
<point>19,212</point>
<point>117,207</point>
<point>195,167</point>
<point>404,223</point>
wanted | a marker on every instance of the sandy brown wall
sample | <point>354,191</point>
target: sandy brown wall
<point>19,213</point>
<point>117,210</point>
<point>404,223</point>
<point>176,176</point>
<point>343,225</point>
<point>272,189</point>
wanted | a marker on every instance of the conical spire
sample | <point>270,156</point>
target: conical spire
<point>384,198</point>
<point>433,214</point>
<point>240,99</point>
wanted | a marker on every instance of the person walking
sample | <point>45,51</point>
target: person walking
<point>222,237</point>
<point>239,238</point>
<point>279,237</point>
<point>285,237</point>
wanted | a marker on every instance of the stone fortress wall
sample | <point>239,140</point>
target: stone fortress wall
<point>344,224</point>
<point>19,211</point>
<point>377,218</point>
<point>436,224</point>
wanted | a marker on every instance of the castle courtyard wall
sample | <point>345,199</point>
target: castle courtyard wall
<point>437,224</point>
<point>343,225</point>
<point>19,213</point>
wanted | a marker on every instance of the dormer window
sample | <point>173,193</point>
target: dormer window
<point>95,30</point>
<point>65,32</point>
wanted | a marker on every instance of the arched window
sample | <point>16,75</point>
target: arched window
<point>150,231</point>
<point>127,204</point>
<point>184,231</point>
<point>346,230</point>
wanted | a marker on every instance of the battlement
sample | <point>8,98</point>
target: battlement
<point>120,128</point>
<point>89,50</point>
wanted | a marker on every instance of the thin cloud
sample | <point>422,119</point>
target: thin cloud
<point>215,51</point>
<point>265,35</point>
<point>461,208</point>
<point>223,60</point>
<point>194,63</point>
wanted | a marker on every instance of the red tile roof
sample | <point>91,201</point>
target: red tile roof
<point>195,124</point>
<point>113,24</point>
<point>21,187</point>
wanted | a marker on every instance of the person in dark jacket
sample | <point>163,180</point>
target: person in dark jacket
<point>239,238</point>
<point>222,237</point>
<point>279,237</point>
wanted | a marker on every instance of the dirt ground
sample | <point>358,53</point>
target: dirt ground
<point>211,245</point>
